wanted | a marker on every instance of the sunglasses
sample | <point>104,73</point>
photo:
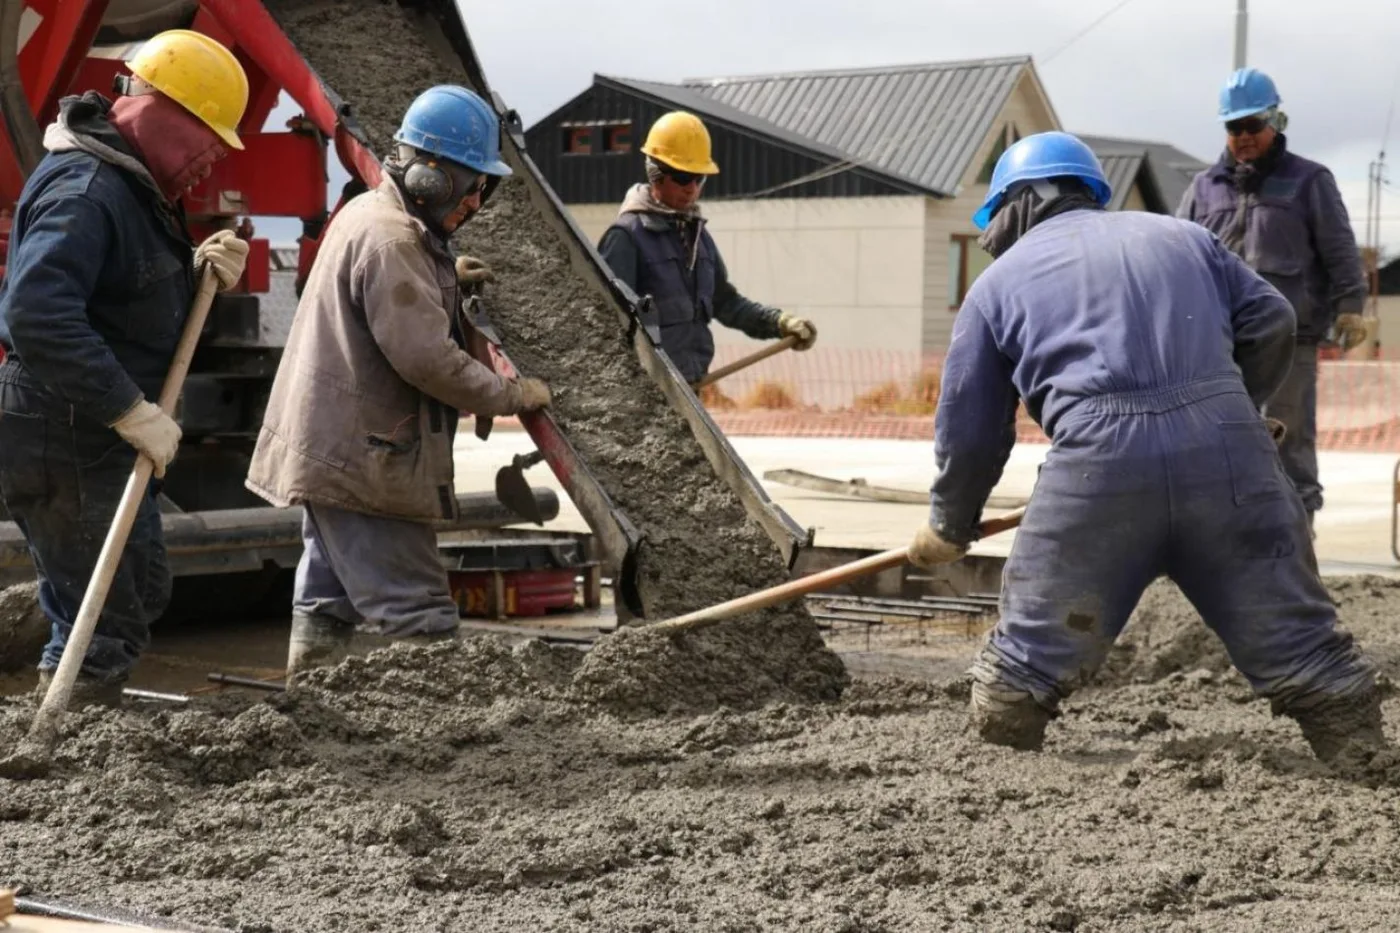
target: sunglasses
<point>1250,125</point>
<point>684,178</point>
<point>476,187</point>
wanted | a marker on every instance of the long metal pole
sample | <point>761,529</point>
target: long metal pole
<point>1241,32</point>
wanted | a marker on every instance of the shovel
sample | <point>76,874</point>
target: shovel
<point>773,349</point>
<point>793,589</point>
<point>35,752</point>
<point>514,492</point>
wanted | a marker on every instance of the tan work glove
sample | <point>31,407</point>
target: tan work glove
<point>534,394</point>
<point>152,432</point>
<point>805,331</point>
<point>929,549</point>
<point>1351,331</point>
<point>227,253</point>
<point>1277,430</point>
<point>472,271</point>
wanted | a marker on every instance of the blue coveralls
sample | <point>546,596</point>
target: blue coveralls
<point>1143,348</point>
<point>97,285</point>
<point>1292,228</point>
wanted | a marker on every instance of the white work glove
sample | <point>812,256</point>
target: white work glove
<point>472,271</point>
<point>804,330</point>
<point>227,253</point>
<point>1351,331</point>
<point>152,432</point>
<point>929,549</point>
<point>534,394</point>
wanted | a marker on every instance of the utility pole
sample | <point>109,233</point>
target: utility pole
<point>1241,31</point>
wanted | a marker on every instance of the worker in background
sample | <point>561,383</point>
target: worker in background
<point>363,412</point>
<point>659,246</point>
<point>1284,215</point>
<point>100,275</point>
<point>1144,348</point>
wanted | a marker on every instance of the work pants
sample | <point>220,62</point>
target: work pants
<point>1295,404</point>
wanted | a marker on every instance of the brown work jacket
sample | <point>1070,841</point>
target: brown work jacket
<point>363,410</point>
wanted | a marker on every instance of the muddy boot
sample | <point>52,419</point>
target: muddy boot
<point>1003,715</point>
<point>1345,732</point>
<point>87,691</point>
<point>317,641</point>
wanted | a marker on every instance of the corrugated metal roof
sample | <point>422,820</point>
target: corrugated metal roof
<point>920,122</point>
<point>1122,170</point>
<point>1170,169</point>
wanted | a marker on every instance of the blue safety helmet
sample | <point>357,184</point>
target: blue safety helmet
<point>453,123</point>
<point>1246,92</point>
<point>1042,156</point>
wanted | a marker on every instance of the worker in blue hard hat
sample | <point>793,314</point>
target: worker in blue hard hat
<point>360,424</point>
<point>1143,348</point>
<point>1284,215</point>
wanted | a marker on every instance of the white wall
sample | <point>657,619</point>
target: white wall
<point>852,265</point>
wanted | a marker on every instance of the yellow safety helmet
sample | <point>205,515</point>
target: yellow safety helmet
<point>681,141</point>
<point>199,74</point>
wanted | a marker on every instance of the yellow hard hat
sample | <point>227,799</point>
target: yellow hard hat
<point>681,141</point>
<point>199,74</point>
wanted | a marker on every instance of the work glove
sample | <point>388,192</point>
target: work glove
<point>1350,330</point>
<point>792,326</point>
<point>228,255</point>
<point>1277,430</point>
<point>473,272</point>
<point>152,432</point>
<point>930,549</point>
<point>534,394</point>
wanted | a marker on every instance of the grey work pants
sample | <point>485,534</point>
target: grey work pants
<point>1295,404</point>
<point>364,569</point>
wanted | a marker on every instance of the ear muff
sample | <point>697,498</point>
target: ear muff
<point>426,183</point>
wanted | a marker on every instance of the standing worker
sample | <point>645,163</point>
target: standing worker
<point>659,246</point>
<point>1284,215</point>
<point>100,275</point>
<point>1143,348</point>
<point>363,412</point>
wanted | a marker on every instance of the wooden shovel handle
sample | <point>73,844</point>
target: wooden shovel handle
<point>813,582</point>
<point>772,349</point>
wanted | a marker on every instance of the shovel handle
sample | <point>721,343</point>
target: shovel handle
<point>772,349</point>
<point>792,589</point>
<point>44,729</point>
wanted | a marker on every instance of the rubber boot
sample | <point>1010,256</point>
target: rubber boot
<point>317,641</point>
<point>1003,715</point>
<point>1345,732</point>
<point>87,691</point>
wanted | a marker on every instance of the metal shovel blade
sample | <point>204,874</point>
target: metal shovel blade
<point>513,490</point>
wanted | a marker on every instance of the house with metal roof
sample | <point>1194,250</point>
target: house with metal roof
<point>844,196</point>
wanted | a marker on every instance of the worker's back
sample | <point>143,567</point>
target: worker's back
<point>1091,303</point>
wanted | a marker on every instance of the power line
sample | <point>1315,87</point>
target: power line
<point>1085,31</point>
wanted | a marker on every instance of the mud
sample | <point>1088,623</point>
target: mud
<point>484,787</point>
<point>700,548</point>
<point>23,628</point>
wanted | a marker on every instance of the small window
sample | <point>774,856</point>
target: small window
<point>966,261</point>
<point>578,140</point>
<point>617,137</point>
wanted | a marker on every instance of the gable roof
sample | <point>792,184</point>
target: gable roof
<point>921,122</point>
<point>1165,168</point>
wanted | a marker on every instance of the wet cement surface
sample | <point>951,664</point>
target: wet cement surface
<point>485,786</point>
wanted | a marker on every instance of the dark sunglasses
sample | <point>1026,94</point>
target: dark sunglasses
<point>476,187</point>
<point>683,178</point>
<point>1250,125</point>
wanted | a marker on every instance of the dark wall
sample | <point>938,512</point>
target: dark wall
<point>747,165</point>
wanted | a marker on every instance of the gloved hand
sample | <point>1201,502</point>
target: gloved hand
<point>929,549</point>
<point>152,432</point>
<point>805,331</point>
<point>1277,430</point>
<point>1351,330</point>
<point>472,271</point>
<point>227,253</point>
<point>534,394</point>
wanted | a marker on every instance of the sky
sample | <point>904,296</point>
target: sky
<point>1150,69</point>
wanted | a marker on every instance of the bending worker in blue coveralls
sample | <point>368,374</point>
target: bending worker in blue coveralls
<point>1284,216</point>
<point>1144,348</point>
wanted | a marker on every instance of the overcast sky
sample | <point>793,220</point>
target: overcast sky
<point>1151,70</point>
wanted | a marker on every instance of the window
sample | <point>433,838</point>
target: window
<point>1007,136</point>
<point>966,261</point>
<point>578,140</point>
<point>596,137</point>
<point>617,137</point>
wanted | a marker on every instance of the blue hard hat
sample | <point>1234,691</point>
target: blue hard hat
<point>1041,156</point>
<point>454,123</point>
<point>1246,92</point>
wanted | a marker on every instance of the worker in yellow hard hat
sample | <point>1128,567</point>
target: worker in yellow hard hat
<point>659,246</point>
<point>100,276</point>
